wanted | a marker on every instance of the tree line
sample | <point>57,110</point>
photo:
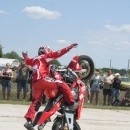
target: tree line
<point>122,72</point>
<point>10,55</point>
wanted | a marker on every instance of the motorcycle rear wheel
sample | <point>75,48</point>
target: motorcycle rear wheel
<point>58,125</point>
<point>87,64</point>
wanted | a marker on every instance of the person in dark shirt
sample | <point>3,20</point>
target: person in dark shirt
<point>6,76</point>
<point>116,88</point>
<point>22,79</point>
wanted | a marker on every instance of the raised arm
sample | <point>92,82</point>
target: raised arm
<point>28,60</point>
<point>57,54</point>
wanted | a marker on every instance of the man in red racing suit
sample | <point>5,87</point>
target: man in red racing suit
<point>42,81</point>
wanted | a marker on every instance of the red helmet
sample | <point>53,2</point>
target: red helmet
<point>44,50</point>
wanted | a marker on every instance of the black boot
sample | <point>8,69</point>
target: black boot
<point>29,125</point>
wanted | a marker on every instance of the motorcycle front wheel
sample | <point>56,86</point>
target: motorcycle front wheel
<point>58,125</point>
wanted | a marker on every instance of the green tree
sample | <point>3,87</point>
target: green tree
<point>12,55</point>
<point>121,71</point>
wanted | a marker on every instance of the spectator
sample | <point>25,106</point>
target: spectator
<point>22,80</point>
<point>116,89</point>
<point>6,76</point>
<point>95,85</point>
<point>108,81</point>
<point>126,100</point>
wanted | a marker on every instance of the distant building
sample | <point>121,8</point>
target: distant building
<point>12,62</point>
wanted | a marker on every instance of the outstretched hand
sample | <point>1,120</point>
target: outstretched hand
<point>74,45</point>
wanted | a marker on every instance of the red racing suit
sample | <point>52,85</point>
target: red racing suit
<point>41,80</point>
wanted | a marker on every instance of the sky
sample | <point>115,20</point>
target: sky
<point>100,27</point>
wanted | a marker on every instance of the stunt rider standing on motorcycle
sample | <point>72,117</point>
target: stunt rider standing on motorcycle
<point>41,80</point>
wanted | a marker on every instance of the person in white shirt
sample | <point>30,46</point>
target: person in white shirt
<point>107,87</point>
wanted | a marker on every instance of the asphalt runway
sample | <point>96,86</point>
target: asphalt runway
<point>11,118</point>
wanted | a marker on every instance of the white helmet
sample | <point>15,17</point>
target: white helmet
<point>44,50</point>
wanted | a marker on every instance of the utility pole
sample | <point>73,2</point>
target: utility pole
<point>110,63</point>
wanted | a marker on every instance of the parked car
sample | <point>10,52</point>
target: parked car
<point>125,83</point>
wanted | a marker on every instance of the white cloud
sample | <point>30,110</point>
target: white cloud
<point>122,28</point>
<point>62,41</point>
<point>126,44</point>
<point>3,12</point>
<point>109,44</point>
<point>38,12</point>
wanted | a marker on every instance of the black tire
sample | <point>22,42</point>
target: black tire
<point>87,63</point>
<point>58,124</point>
<point>76,126</point>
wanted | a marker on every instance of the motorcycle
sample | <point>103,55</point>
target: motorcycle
<point>80,68</point>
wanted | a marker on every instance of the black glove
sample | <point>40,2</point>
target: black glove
<point>74,45</point>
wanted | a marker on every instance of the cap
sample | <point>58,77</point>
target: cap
<point>117,74</point>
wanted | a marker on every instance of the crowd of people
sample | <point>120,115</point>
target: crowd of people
<point>109,84</point>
